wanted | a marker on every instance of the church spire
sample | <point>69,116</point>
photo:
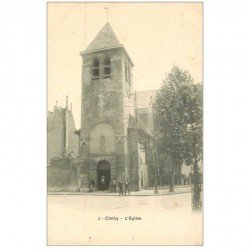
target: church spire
<point>105,39</point>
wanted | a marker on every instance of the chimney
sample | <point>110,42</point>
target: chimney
<point>67,98</point>
<point>71,107</point>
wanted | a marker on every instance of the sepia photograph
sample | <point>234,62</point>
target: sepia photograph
<point>125,123</point>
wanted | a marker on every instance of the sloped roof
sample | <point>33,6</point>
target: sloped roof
<point>106,38</point>
<point>57,112</point>
<point>57,117</point>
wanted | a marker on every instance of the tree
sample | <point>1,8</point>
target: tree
<point>178,114</point>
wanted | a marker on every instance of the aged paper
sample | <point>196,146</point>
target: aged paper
<point>114,178</point>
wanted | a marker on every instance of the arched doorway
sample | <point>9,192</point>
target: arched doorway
<point>103,175</point>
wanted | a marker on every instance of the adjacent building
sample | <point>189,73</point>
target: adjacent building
<point>62,137</point>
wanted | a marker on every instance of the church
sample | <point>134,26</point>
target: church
<point>116,140</point>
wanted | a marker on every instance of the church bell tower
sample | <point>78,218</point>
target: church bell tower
<point>107,84</point>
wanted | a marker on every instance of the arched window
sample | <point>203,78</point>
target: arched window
<point>102,134</point>
<point>95,68</point>
<point>107,67</point>
<point>102,143</point>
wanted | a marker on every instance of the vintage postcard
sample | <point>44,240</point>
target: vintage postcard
<point>125,123</point>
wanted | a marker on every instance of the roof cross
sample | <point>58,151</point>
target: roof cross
<point>107,12</point>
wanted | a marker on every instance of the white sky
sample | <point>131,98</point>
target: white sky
<point>156,36</point>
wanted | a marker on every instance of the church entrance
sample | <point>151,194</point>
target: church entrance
<point>103,175</point>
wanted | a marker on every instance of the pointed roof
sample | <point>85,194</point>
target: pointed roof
<point>106,38</point>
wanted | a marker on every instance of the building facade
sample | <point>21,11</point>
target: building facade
<point>62,139</point>
<point>116,141</point>
<point>110,136</point>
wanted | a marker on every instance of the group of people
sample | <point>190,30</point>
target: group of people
<point>123,187</point>
<point>126,187</point>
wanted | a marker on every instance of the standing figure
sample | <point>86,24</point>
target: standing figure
<point>103,183</point>
<point>92,185</point>
<point>120,187</point>
<point>114,186</point>
<point>127,187</point>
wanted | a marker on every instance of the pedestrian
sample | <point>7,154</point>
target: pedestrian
<point>103,183</point>
<point>111,186</point>
<point>92,183</point>
<point>114,186</point>
<point>120,185</point>
<point>127,187</point>
<point>91,186</point>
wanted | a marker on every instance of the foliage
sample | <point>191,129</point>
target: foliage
<point>179,114</point>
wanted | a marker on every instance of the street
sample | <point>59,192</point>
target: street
<point>133,220</point>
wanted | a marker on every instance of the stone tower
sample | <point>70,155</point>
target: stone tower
<point>105,108</point>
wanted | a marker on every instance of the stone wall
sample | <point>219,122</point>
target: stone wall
<point>62,175</point>
<point>143,168</point>
<point>102,98</point>
<point>102,131</point>
<point>133,159</point>
<point>103,114</point>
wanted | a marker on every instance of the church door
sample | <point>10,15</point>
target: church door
<point>103,175</point>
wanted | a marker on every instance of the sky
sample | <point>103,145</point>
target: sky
<point>155,35</point>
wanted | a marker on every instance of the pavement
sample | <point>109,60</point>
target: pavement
<point>144,192</point>
<point>123,220</point>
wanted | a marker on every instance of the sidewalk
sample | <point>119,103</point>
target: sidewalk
<point>144,192</point>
